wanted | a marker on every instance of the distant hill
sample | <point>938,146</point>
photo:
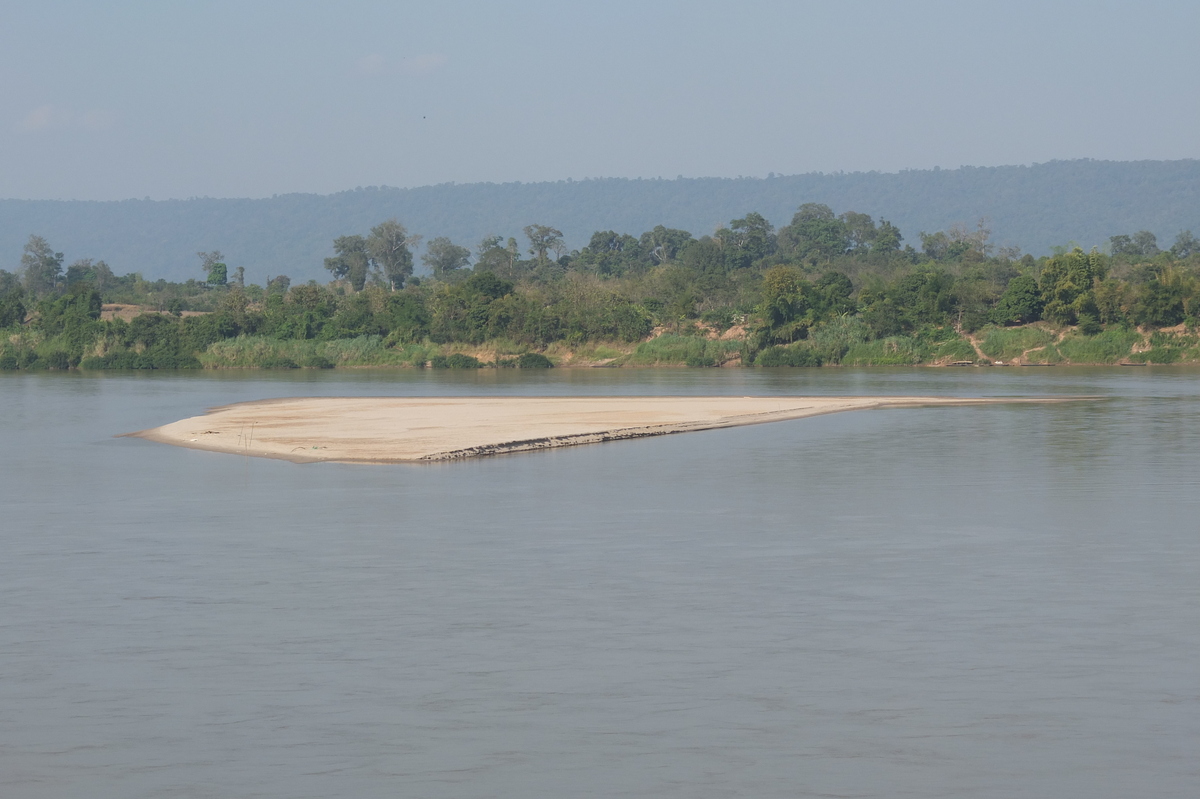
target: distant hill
<point>1033,207</point>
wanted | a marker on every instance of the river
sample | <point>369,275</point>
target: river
<point>982,602</point>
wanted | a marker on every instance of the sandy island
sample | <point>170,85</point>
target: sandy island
<point>423,429</point>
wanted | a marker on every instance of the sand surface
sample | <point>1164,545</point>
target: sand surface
<point>409,429</point>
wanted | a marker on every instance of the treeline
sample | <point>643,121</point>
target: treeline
<point>815,291</point>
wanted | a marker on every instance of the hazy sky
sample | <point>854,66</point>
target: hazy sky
<point>226,99</point>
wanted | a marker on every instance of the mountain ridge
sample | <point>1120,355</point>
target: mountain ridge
<point>1034,207</point>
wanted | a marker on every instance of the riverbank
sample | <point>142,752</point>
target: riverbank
<point>409,430</point>
<point>1037,344</point>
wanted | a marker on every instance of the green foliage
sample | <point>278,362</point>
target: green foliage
<point>825,289</point>
<point>1067,282</point>
<point>814,235</point>
<point>954,349</point>
<point>890,351</point>
<point>12,309</point>
<point>443,256</point>
<point>674,350</point>
<point>533,360</point>
<point>794,355</point>
<point>1109,346</point>
<point>1005,344</point>
<point>456,360</point>
<point>41,265</point>
<point>833,339</point>
<point>388,248</point>
<point>1020,303</point>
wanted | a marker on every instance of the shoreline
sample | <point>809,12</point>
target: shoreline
<point>393,430</point>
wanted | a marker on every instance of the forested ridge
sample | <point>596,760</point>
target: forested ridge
<point>1035,207</point>
<point>826,288</point>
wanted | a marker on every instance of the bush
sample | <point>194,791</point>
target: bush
<point>455,361</point>
<point>278,362</point>
<point>1089,325</point>
<point>533,360</point>
<point>8,363</point>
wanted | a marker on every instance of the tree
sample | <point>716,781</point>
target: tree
<point>1067,282</point>
<point>351,261</point>
<point>1186,245</point>
<point>970,241</point>
<point>610,253</point>
<point>42,266</point>
<point>443,256</point>
<point>814,234</point>
<point>860,230</point>
<point>887,237</point>
<point>747,240</point>
<point>1139,245</point>
<point>664,243</point>
<point>1146,242</point>
<point>212,264</point>
<point>783,306</point>
<point>85,270</point>
<point>12,310</point>
<point>1021,302</point>
<point>544,239</point>
<point>388,246</point>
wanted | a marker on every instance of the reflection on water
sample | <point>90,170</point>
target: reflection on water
<point>986,602</point>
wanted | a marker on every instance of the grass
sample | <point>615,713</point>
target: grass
<point>251,352</point>
<point>1169,348</point>
<point>672,350</point>
<point>1108,346</point>
<point>892,351</point>
<point>1006,343</point>
<point>956,349</point>
<point>832,340</point>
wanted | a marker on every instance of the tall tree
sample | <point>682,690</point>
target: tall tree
<point>213,265</point>
<point>887,237</point>
<point>542,240</point>
<point>389,246</point>
<point>663,243</point>
<point>860,230</point>
<point>747,240</point>
<point>443,256</point>
<point>351,261</point>
<point>815,234</point>
<point>1185,245</point>
<point>42,266</point>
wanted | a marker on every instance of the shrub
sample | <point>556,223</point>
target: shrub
<point>455,361</point>
<point>58,360</point>
<point>533,360</point>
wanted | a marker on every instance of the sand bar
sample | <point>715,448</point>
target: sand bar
<point>424,429</point>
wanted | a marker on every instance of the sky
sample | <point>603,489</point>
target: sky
<point>181,99</point>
